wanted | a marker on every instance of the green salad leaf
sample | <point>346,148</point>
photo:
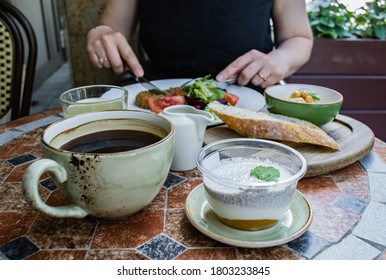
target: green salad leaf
<point>205,89</point>
<point>265,173</point>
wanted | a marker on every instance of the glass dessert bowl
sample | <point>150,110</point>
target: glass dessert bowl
<point>250,183</point>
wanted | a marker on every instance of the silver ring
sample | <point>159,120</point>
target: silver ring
<point>101,61</point>
<point>262,77</point>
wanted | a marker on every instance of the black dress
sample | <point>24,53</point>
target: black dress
<point>193,38</point>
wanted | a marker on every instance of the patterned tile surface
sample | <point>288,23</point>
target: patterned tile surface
<point>161,248</point>
<point>349,214</point>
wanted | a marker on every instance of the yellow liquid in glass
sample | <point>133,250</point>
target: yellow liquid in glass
<point>248,224</point>
<point>98,104</point>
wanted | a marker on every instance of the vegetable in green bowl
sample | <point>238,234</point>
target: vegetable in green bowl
<point>323,108</point>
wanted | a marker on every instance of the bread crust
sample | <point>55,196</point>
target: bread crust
<point>253,124</point>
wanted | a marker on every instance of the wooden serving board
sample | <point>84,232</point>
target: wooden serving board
<point>355,139</point>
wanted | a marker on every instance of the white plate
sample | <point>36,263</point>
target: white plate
<point>248,98</point>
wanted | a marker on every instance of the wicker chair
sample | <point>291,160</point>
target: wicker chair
<point>17,39</point>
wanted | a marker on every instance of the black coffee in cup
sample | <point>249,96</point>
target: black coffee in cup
<point>111,141</point>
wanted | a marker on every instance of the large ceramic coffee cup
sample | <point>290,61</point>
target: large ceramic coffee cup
<point>108,164</point>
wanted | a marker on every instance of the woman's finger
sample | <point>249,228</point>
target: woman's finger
<point>130,59</point>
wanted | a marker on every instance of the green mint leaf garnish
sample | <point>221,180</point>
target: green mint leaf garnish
<point>265,173</point>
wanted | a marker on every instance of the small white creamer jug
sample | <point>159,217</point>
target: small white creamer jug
<point>190,125</point>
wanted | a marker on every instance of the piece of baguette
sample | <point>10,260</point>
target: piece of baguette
<point>254,124</point>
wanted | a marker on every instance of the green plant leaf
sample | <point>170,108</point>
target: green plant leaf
<point>380,32</point>
<point>336,21</point>
<point>327,22</point>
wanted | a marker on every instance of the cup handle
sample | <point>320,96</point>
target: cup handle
<point>31,182</point>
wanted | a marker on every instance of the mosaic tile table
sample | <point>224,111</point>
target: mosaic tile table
<point>349,214</point>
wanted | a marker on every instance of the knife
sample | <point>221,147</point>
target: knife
<point>145,83</point>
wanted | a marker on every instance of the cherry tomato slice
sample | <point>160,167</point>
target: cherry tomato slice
<point>158,104</point>
<point>231,98</point>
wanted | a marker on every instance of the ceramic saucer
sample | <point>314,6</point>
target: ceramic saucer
<point>294,223</point>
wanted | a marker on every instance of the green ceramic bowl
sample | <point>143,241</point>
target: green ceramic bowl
<point>320,113</point>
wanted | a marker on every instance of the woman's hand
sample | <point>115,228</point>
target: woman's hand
<point>110,49</point>
<point>293,45</point>
<point>254,67</point>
